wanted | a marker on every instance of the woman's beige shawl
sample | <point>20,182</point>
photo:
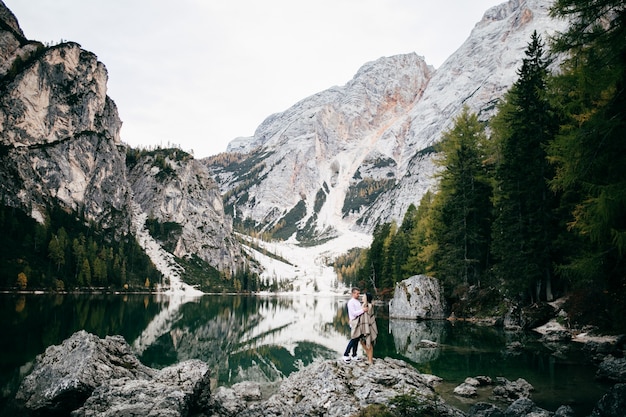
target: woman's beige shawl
<point>365,326</point>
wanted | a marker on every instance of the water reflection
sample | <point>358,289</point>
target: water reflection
<point>411,338</point>
<point>266,338</point>
<point>245,338</point>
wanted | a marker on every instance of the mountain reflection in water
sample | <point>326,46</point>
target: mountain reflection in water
<point>265,338</point>
<point>247,338</point>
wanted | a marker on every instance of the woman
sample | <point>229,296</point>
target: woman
<point>366,328</point>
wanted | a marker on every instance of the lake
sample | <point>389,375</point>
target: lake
<point>264,338</point>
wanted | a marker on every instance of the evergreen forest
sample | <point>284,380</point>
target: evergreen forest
<point>531,204</point>
<point>67,253</point>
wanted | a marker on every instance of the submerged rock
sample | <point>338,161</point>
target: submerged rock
<point>522,407</point>
<point>482,409</point>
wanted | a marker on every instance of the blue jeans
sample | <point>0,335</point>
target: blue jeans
<point>352,344</point>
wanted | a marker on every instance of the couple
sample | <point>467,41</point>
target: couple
<point>363,326</point>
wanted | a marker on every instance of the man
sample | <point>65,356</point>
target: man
<point>354,311</point>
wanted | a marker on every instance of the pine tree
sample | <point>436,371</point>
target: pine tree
<point>525,225</point>
<point>462,229</point>
<point>590,151</point>
<point>421,242</point>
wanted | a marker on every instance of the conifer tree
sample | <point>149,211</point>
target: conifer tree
<point>525,227</point>
<point>590,151</point>
<point>462,229</point>
<point>421,242</point>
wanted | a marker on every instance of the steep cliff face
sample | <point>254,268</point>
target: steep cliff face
<point>59,132</point>
<point>173,188</point>
<point>477,75</point>
<point>302,163</point>
<point>358,155</point>
<point>60,146</point>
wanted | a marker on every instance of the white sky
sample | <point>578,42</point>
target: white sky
<point>198,73</point>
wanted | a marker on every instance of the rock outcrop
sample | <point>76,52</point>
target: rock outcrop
<point>89,376</point>
<point>64,376</point>
<point>178,390</point>
<point>613,404</point>
<point>418,297</point>
<point>331,388</point>
<point>59,132</point>
<point>171,186</point>
<point>612,369</point>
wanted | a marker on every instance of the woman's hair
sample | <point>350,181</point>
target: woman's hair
<point>369,297</point>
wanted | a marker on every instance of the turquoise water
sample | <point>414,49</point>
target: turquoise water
<point>266,338</point>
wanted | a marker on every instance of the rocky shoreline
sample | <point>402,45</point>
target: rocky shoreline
<point>88,376</point>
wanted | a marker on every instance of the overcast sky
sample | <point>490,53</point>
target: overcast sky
<point>198,73</point>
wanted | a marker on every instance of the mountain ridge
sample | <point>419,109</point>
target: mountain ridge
<point>357,174</point>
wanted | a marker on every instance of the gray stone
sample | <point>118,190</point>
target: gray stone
<point>174,391</point>
<point>482,409</point>
<point>65,375</point>
<point>612,369</point>
<point>466,390</point>
<point>564,411</point>
<point>472,381</point>
<point>418,297</point>
<point>483,380</point>
<point>612,404</point>
<point>524,407</point>
<point>231,401</point>
<point>512,390</point>
<point>331,388</point>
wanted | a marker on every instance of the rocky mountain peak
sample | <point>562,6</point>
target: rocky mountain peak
<point>358,155</point>
<point>323,145</point>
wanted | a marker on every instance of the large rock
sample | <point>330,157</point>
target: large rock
<point>65,375</point>
<point>419,297</point>
<point>529,317</point>
<point>524,407</point>
<point>174,391</point>
<point>612,404</point>
<point>612,369</point>
<point>512,390</point>
<point>89,376</point>
<point>331,388</point>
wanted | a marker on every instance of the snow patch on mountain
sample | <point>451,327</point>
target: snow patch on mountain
<point>307,269</point>
<point>163,260</point>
